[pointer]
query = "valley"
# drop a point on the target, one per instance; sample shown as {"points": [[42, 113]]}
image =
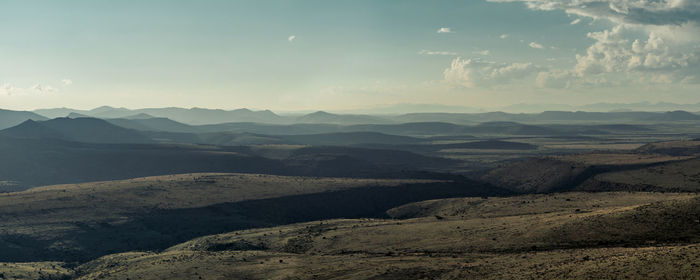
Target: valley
{"points": [[90, 198]]}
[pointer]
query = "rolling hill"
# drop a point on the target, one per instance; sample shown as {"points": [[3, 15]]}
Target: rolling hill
{"points": [[10, 118], [569, 172], [325, 117], [87, 130], [80, 222], [465, 238], [351, 138], [193, 116]]}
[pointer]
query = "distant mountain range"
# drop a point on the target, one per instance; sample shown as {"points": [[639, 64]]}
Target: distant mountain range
{"points": [[11, 118], [179, 120], [603, 107], [87, 130], [191, 116], [111, 143], [199, 116]]}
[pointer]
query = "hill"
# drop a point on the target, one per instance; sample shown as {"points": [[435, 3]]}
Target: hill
{"points": [[33, 130], [362, 162], [74, 115], [189, 116], [568, 172], [87, 130], [676, 116], [672, 176], [674, 148], [197, 116], [12, 118], [83, 221], [496, 238], [154, 124], [33, 162], [351, 138], [325, 117], [39, 154]]}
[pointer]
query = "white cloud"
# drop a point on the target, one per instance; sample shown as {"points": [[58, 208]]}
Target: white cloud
{"points": [[554, 79], [67, 82], [292, 38], [644, 12], [535, 45], [427, 52], [7, 89], [473, 73], [42, 88], [445, 30], [503, 36], [484, 52], [652, 41]]}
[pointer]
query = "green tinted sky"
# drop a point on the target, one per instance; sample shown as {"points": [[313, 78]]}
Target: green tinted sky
{"points": [[345, 54]]}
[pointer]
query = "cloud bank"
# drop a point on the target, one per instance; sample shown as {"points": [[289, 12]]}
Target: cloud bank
{"points": [[472, 73], [651, 41]]}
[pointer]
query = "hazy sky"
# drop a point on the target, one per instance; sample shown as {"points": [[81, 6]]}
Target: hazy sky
{"points": [[299, 55]]}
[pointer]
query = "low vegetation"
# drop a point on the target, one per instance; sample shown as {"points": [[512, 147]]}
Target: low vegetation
{"points": [[446, 239]]}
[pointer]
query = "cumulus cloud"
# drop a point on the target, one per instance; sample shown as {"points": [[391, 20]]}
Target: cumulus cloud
{"points": [[292, 38], [9, 89], [554, 79], [484, 52], [427, 52], [67, 82], [445, 30], [645, 12], [42, 88], [652, 41], [6, 89], [535, 45], [614, 52], [473, 73], [503, 36]]}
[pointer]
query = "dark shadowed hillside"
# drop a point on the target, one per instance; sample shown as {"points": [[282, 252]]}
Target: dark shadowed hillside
{"points": [[11, 118], [325, 117], [84, 221], [154, 124], [33, 162], [336, 161], [351, 138], [88, 130]]}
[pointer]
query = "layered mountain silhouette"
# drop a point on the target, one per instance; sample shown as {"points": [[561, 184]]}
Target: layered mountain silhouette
{"points": [[87, 130], [10, 118]]}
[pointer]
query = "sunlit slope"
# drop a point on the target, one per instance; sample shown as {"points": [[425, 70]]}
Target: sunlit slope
{"points": [[495, 238], [84, 221]]}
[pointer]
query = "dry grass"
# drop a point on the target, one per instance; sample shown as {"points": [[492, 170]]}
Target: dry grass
{"points": [[185, 190], [66, 222], [598, 147], [678, 176], [34, 270], [673, 262], [498, 238], [618, 158]]}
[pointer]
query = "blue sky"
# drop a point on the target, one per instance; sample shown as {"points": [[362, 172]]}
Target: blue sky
{"points": [[337, 55]]}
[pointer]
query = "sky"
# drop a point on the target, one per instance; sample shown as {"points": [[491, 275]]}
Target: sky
{"points": [[288, 55]]}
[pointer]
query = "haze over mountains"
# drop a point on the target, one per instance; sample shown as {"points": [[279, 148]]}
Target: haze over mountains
{"points": [[320, 191], [147, 142], [200, 116]]}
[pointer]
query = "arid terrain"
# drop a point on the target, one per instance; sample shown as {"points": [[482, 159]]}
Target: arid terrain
{"points": [[569, 235], [497, 200], [349, 139]]}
